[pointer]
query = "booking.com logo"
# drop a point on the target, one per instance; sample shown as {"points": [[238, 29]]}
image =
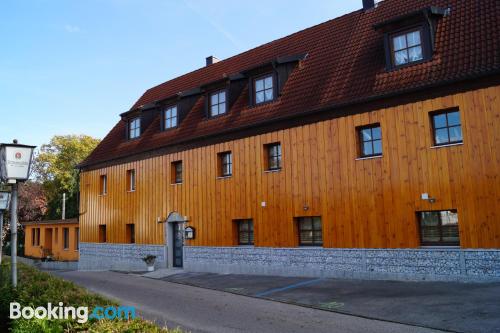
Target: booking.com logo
{"points": [[80, 314]]}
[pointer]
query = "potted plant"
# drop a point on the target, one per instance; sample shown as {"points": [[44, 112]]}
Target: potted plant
{"points": [[150, 261]]}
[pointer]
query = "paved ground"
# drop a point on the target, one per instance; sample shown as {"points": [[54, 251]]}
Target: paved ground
{"points": [[205, 310], [462, 307]]}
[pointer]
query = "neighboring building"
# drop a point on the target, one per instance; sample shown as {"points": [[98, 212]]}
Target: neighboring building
{"points": [[58, 239], [366, 146]]}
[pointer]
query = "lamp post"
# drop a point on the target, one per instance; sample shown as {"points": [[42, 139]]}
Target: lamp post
{"points": [[4, 205], [15, 164]]}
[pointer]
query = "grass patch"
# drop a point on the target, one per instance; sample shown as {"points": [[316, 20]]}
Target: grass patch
{"points": [[36, 288]]}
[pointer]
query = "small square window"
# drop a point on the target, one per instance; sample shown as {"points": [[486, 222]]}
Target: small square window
{"points": [[370, 140], [273, 156], [245, 232], [264, 89], [439, 228], [176, 172], [310, 231], [446, 127], [170, 117], [103, 185], [407, 47], [225, 160], [134, 128], [131, 180], [217, 103]]}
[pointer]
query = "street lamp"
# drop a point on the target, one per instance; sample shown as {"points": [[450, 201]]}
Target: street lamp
{"points": [[15, 164], [4, 205]]}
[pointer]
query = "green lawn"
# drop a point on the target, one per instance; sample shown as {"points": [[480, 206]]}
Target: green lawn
{"points": [[36, 288]]}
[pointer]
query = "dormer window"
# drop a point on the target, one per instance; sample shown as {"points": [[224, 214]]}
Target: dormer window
{"points": [[407, 47], [134, 128], [264, 89], [170, 117], [217, 103]]}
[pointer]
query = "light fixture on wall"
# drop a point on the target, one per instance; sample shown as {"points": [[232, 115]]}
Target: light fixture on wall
{"points": [[306, 207], [425, 196]]}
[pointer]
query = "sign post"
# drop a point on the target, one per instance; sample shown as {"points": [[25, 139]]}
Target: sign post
{"points": [[15, 164], [4, 205]]}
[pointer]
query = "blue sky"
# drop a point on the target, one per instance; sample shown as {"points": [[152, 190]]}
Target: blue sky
{"points": [[71, 67]]}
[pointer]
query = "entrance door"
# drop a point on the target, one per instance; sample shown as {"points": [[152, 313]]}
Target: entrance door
{"points": [[178, 243]]}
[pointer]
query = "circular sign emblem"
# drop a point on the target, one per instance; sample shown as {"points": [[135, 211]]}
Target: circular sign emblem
{"points": [[18, 155]]}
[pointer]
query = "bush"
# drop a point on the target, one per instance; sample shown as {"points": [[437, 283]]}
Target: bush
{"points": [[37, 288]]}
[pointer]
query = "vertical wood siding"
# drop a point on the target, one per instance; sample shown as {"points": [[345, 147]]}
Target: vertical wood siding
{"points": [[368, 203]]}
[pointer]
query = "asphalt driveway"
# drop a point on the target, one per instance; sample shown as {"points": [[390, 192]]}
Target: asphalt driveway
{"points": [[461, 307], [205, 310]]}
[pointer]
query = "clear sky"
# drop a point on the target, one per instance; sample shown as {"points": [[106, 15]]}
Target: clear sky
{"points": [[72, 66]]}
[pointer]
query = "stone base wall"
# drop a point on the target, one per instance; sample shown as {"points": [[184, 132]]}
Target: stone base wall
{"points": [[124, 257], [437, 264]]}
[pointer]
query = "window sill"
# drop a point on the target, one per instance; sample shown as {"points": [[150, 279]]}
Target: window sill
{"points": [[369, 157], [131, 191], [447, 145], [224, 177], [272, 170], [102, 194], [173, 184]]}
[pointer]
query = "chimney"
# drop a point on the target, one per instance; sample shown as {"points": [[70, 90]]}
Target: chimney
{"points": [[368, 4], [212, 60]]}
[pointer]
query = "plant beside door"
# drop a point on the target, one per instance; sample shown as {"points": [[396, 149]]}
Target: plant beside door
{"points": [[150, 262]]}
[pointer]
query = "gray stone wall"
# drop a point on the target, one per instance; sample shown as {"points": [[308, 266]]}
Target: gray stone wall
{"points": [[128, 257], [438, 264]]}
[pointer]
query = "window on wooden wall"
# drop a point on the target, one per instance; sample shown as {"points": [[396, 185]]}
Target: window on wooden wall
{"points": [[370, 140], [170, 117], [407, 47], [225, 164], [264, 89], [218, 103], [439, 228], [131, 180], [176, 172], [310, 231], [102, 234], [447, 127], [134, 128], [56, 235], [103, 185], [245, 232], [66, 238], [35, 236], [273, 156], [130, 233], [77, 239]]}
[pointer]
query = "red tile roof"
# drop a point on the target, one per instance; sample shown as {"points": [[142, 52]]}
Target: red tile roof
{"points": [[345, 64]]}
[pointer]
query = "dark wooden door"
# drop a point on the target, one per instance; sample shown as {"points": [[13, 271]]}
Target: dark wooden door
{"points": [[178, 244]]}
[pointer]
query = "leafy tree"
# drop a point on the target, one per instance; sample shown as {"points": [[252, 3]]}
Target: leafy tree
{"points": [[55, 168]]}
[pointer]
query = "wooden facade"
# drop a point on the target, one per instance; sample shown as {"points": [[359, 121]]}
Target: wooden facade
{"points": [[363, 203], [46, 238]]}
